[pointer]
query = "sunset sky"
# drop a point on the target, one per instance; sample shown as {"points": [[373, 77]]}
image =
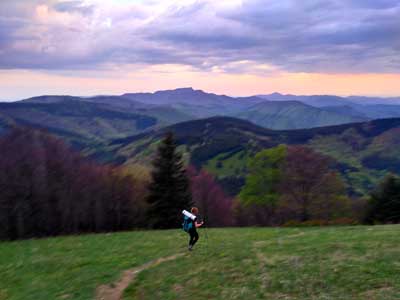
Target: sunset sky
{"points": [[234, 47]]}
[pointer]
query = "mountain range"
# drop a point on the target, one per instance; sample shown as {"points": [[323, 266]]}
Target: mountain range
{"points": [[332, 100], [363, 152], [101, 118], [219, 132]]}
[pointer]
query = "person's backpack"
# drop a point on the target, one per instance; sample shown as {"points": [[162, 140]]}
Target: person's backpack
{"points": [[187, 224]]}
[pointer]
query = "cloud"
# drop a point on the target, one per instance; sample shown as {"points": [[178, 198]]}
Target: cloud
{"points": [[373, 4], [233, 36], [74, 6]]}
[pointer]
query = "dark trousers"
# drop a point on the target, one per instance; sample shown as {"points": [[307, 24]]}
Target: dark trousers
{"points": [[194, 237]]}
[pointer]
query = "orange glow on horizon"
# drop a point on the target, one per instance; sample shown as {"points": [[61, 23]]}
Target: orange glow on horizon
{"points": [[19, 84]]}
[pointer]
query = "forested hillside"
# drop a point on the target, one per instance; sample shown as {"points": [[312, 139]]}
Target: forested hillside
{"points": [[100, 118], [364, 152]]}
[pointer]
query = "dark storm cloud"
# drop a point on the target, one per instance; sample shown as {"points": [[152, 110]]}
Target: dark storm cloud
{"points": [[301, 36]]}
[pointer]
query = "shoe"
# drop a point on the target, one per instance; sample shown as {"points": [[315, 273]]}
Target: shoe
{"points": [[190, 247]]}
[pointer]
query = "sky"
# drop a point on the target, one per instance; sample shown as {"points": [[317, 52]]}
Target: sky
{"points": [[233, 47]]}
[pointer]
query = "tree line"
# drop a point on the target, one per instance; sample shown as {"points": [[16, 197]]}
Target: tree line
{"points": [[49, 189], [295, 186]]}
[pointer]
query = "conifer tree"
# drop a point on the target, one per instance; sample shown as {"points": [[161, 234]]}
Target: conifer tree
{"points": [[384, 204], [169, 191]]}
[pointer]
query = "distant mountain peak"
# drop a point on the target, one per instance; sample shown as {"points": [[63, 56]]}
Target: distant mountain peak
{"points": [[184, 89]]}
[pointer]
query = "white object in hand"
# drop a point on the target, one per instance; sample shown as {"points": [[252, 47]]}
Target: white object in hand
{"points": [[189, 215]]}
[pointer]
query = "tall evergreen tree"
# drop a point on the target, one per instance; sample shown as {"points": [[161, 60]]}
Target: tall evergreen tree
{"points": [[169, 191], [384, 204]]}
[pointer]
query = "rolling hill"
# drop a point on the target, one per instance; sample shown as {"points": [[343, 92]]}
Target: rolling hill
{"points": [[84, 121], [193, 102], [296, 115], [89, 121], [127, 128], [313, 100], [373, 111], [379, 111], [222, 145], [332, 100], [107, 117], [268, 114], [166, 115]]}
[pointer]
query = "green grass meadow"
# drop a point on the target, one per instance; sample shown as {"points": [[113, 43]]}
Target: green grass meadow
{"points": [[359, 262]]}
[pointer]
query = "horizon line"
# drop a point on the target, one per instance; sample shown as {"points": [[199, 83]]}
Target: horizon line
{"points": [[204, 91]]}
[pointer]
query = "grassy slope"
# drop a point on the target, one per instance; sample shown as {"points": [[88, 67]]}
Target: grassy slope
{"points": [[329, 263], [225, 165], [247, 263], [72, 267]]}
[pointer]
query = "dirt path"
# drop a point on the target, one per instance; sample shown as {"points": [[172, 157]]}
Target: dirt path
{"points": [[115, 290], [263, 261]]}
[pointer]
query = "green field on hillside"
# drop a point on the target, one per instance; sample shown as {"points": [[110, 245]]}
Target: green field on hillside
{"points": [[359, 262]]}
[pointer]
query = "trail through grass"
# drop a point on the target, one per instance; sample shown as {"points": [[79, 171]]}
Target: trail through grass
{"points": [[72, 267], [115, 290], [311, 263], [239, 263]]}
